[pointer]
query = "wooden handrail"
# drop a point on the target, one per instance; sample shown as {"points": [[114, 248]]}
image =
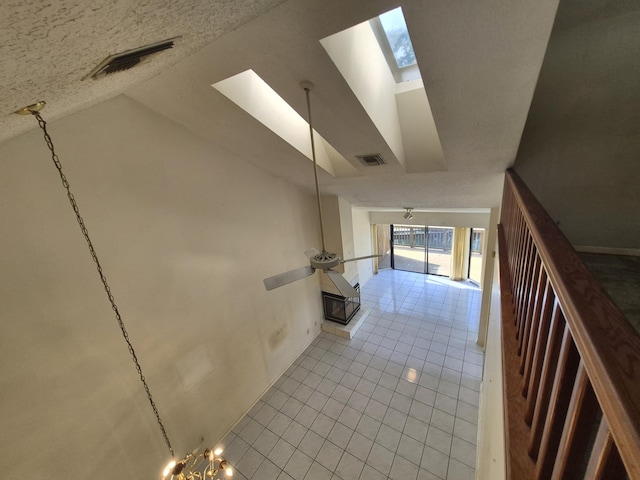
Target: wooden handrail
{"points": [[608, 346]]}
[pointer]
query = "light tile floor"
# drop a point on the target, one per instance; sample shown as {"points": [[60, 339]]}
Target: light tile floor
{"points": [[399, 401]]}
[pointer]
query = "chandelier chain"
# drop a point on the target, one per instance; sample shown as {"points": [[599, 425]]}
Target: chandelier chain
{"points": [[103, 278]]}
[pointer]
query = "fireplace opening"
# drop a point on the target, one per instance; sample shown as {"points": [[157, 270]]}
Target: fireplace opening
{"points": [[340, 309]]}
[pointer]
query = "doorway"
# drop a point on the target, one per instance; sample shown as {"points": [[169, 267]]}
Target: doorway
{"points": [[421, 249]]}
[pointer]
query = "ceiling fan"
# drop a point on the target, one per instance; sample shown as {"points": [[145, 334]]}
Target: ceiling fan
{"points": [[318, 260]]}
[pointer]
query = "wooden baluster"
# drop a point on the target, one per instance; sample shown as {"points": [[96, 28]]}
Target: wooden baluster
{"points": [[508, 214], [604, 461], [522, 281], [513, 255], [517, 264], [558, 405], [579, 424], [511, 239], [528, 282], [538, 342], [533, 320], [518, 238], [511, 231], [518, 221], [533, 289], [537, 405], [519, 465]]}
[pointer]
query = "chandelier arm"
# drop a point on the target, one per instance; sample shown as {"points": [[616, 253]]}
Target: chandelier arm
{"points": [[85, 233]]}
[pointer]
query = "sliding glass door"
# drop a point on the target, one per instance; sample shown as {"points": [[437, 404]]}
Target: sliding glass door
{"points": [[421, 249], [409, 252], [439, 242]]}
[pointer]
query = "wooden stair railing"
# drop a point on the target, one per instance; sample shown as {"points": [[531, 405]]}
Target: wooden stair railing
{"points": [[571, 360]]}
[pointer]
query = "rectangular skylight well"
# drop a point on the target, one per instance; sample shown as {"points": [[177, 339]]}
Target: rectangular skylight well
{"points": [[394, 98], [258, 99]]}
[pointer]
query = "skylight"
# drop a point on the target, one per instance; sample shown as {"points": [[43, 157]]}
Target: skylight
{"points": [[395, 30], [393, 38]]}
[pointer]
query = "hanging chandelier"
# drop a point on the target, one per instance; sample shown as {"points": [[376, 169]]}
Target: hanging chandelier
{"points": [[191, 466], [185, 469]]}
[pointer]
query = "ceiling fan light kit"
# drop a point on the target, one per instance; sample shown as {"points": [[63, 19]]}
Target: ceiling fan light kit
{"points": [[318, 260]]}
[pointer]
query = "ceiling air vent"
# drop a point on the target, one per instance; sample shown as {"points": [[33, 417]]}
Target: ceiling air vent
{"points": [[371, 160], [129, 59]]}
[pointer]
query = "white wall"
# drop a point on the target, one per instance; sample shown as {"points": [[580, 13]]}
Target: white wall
{"points": [[347, 233], [362, 243], [333, 231], [185, 232], [435, 219], [490, 458], [488, 263]]}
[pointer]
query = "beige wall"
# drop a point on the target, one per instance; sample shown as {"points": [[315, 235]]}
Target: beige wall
{"points": [[363, 243], [185, 232], [579, 150], [443, 218], [490, 458]]}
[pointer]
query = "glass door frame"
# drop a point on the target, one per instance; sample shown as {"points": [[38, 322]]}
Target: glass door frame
{"points": [[482, 252], [425, 232]]}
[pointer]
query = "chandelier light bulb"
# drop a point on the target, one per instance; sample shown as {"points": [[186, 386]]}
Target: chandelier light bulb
{"points": [[169, 468]]}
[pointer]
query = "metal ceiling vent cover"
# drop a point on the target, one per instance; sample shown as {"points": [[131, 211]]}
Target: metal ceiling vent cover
{"points": [[121, 62], [371, 160]]}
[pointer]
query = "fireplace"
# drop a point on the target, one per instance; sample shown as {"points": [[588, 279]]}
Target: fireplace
{"points": [[340, 309]]}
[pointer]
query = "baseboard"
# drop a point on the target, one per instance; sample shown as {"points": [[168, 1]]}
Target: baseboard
{"points": [[634, 252]]}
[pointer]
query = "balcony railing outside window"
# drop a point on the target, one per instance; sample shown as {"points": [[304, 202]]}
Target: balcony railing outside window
{"points": [[437, 238]]}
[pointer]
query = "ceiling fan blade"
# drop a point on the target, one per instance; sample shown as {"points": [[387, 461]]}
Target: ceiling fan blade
{"points": [[344, 287], [288, 277], [312, 252], [359, 258]]}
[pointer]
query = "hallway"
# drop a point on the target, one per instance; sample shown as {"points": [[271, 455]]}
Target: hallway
{"points": [[398, 401]]}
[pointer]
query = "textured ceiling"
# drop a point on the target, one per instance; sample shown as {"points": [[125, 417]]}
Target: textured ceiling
{"points": [[479, 62], [48, 47]]}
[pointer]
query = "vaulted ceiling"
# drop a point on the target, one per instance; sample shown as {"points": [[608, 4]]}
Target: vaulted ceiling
{"points": [[479, 63]]}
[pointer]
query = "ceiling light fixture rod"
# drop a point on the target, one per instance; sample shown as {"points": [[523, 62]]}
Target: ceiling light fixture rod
{"points": [[307, 86]]}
